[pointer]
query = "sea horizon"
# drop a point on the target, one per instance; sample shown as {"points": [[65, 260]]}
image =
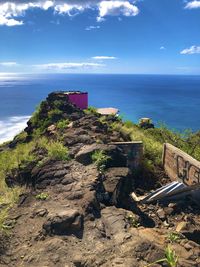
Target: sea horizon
{"points": [[170, 99]]}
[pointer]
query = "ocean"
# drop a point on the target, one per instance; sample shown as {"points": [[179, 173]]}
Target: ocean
{"points": [[170, 99]]}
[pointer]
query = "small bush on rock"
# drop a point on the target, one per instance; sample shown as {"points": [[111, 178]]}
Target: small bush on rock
{"points": [[62, 124], [174, 237], [100, 158], [90, 110], [57, 151], [133, 221], [42, 196]]}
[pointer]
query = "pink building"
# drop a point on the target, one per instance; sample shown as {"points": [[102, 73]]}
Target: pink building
{"points": [[79, 99]]}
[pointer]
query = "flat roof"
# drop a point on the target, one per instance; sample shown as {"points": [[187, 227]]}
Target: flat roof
{"points": [[70, 92], [107, 111]]}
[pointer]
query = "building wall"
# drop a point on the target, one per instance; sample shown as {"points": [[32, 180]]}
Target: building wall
{"points": [[80, 100]]}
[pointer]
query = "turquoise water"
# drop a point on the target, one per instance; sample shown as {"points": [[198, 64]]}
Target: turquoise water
{"points": [[173, 100]]}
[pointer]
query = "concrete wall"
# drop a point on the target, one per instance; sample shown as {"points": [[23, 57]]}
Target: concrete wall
{"points": [[133, 151]]}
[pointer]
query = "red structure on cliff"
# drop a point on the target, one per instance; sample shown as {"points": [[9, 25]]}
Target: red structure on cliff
{"points": [[79, 99]]}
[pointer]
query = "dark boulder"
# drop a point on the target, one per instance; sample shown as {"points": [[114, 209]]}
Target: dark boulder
{"points": [[117, 158], [64, 222]]}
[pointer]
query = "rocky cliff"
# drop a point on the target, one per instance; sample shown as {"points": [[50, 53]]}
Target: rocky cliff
{"points": [[75, 209]]}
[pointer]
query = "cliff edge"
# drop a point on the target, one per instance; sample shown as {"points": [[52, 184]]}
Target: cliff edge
{"points": [[75, 209]]}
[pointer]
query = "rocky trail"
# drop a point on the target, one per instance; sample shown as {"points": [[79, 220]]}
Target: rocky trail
{"points": [[74, 215]]}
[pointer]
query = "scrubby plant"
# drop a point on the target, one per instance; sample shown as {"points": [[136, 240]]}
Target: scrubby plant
{"points": [[18, 158], [90, 110], [44, 116], [54, 114], [174, 237], [62, 124], [153, 140], [133, 221], [57, 151], [170, 258], [128, 124], [58, 104], [100, 158], [8, 225], [103, 119], [42, 196], [9, 160], [21, 137]]}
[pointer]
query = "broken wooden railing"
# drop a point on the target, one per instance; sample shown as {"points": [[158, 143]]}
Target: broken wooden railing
{"points": [[184, 172]]}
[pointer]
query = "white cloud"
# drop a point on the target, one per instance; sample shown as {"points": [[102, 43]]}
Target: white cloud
{"points": [[100, 19], [68, 65], [117, 8], [193, 4], [9, 21], [70, 10], [192, 50], [103, 57], [8, 64], [89, 28], [162, 48], [12, 10], [47, 5]]}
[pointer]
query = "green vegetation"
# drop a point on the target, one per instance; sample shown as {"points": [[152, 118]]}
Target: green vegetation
{"points": [[58, 104], [19, 158], [128, 124], [103, 119], [132, 220], [153, 140], [90, 110], [57, 151], [42, 196], [100, 159], [62, 124], [12, 159], [8, 225], [43, 117], [174, 237], [170, 258], [20, 138]]}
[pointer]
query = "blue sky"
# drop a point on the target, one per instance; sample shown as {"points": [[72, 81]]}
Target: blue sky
{"points": [[84, 36]]}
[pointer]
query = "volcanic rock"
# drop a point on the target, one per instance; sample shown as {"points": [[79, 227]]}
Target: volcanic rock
{"points": [[63, 222]]}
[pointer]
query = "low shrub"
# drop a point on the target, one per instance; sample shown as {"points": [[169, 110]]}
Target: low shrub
{"points": [[170, 258], [174, 237], [20, 157], [42, 196], [90, 110], [128, 124], [20, 138], [100, 158], [57, 151], [62, 124], [153, 140]]}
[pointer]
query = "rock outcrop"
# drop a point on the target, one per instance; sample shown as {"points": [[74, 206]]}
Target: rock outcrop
{"points": [[74, 215]]}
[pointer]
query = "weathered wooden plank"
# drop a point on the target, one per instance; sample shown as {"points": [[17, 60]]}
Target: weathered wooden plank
{"points": [[180, 166]]}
